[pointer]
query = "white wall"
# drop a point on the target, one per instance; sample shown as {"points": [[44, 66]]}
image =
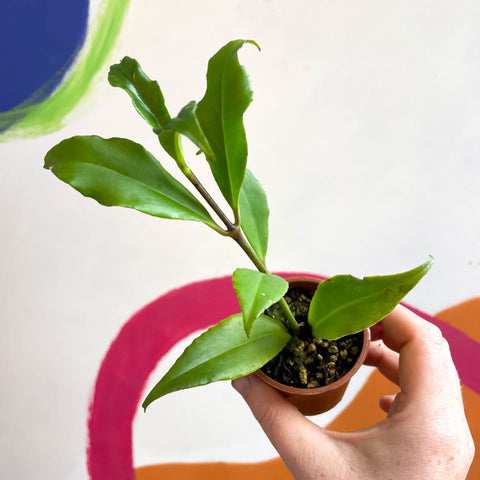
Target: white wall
{"points": [[365, 134]]}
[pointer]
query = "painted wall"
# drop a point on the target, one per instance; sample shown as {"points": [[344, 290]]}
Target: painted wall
{"points": [[364, 131]]}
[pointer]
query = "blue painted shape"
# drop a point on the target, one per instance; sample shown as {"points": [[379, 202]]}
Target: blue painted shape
{"points": [[39, 40]]}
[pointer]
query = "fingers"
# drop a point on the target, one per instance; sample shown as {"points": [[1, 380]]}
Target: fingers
{"points": [[430, 399], [376, 332], [385, 402], [426, 368], [386, 360], [402, 326]]}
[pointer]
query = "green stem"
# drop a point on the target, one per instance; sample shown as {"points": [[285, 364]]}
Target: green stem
{"points": [[234, 231], [211, 202], [292, 323], [238, 236]]}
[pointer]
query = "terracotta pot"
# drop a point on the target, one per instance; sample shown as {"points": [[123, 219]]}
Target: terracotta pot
{"points": [[312, 401]]}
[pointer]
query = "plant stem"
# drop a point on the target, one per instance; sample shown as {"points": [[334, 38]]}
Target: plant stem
{"points": [[238, 236], [292, 323], [211, 202], [234, 231]]}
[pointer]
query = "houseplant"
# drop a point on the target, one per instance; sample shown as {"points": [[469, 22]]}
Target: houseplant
{"points": [[120, 172]]}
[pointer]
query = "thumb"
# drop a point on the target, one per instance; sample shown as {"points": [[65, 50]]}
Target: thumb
{"points": [[272, 410], [293, 435]]}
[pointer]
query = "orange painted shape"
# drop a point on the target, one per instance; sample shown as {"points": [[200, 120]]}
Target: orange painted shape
{"points": [[269, 470], [366, 402], [465, 317]]}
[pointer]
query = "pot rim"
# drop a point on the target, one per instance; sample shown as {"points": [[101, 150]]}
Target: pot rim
{"points": [[325, 388]]}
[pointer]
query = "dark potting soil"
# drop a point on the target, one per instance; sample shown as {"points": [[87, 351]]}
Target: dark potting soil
{"points": [[310, 362]]}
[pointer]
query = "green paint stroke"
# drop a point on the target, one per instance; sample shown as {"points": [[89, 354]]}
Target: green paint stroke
{"points": [[34, 120]]}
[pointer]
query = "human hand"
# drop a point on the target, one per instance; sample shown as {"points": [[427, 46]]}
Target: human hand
{"points": [[425, 435]]}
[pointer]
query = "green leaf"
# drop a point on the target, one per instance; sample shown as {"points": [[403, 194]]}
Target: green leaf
{"points": [[220, 113], [223, 352], [187, 124], [256, 291], [120, 172], [254, 214], [145, 93], [343, 304], [148, 100]]}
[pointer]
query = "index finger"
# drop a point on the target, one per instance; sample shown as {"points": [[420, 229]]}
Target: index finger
{"points": [[427, 373]]}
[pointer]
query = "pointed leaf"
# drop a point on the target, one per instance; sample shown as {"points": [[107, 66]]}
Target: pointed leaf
{"points": [[148, 100], [343, 305], [256, 291], [254, 214], [120, 172], [220, 114], [187, 124], [223, 352]]}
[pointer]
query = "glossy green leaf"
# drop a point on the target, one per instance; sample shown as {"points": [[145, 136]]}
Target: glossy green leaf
{"points": [[145, 93], [256, 291], [344, 304], [223, 352], [148, 100], [187, 124], [254, 214], [120, 172], [220, 113]]}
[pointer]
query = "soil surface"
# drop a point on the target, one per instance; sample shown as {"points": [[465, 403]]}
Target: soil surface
{"points": [[310, 362]]}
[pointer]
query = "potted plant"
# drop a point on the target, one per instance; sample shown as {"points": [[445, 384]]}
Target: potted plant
{"points": [[279, 329]]}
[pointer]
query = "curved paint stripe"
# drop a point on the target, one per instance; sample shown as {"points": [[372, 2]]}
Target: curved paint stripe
{"points": [[139, 346], [465, 316], [146, 338], [469, 313], [133, 355], [47, 116]]}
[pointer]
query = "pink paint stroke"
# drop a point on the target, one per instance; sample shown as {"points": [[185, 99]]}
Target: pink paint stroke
{"points": [[151, 333]]}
